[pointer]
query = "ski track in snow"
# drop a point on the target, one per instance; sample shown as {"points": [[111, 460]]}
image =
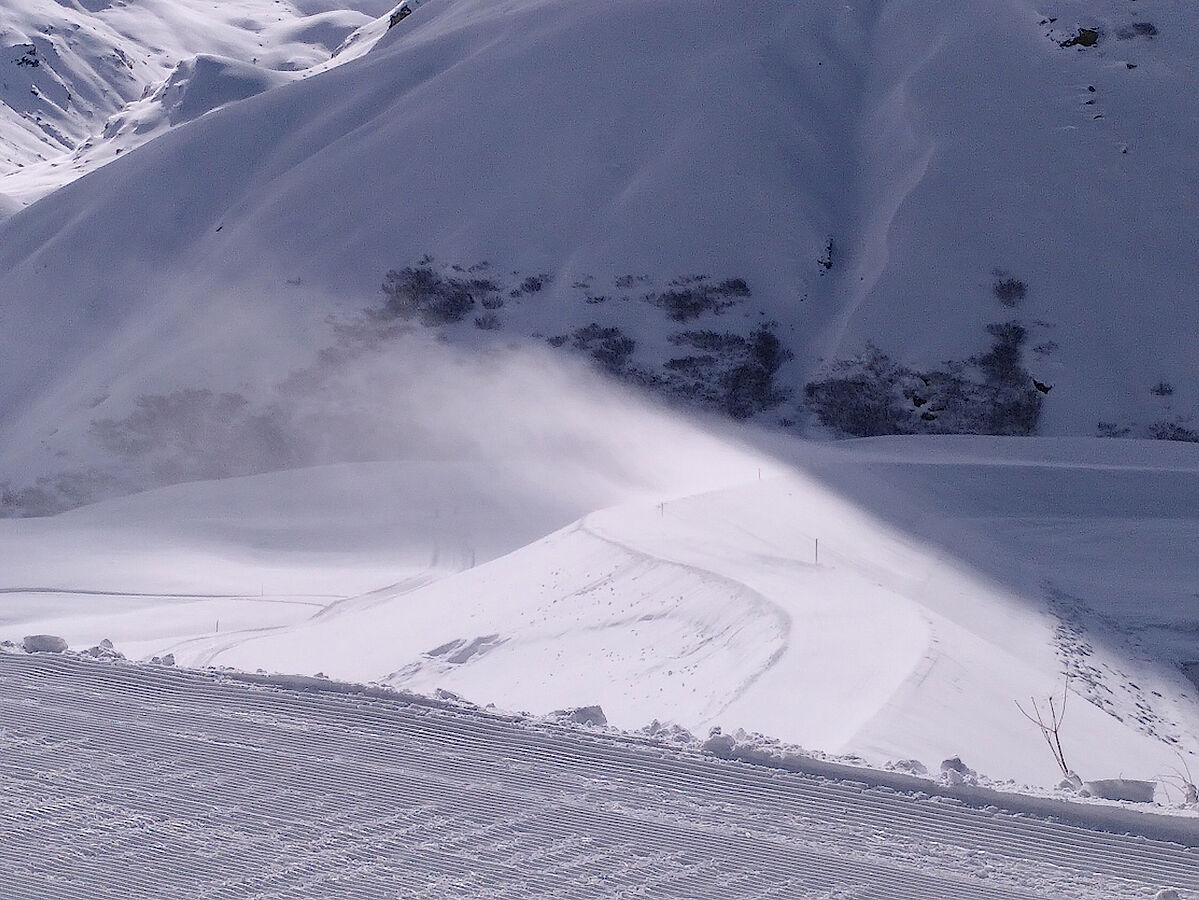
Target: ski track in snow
{"points": [[758, 605], [128, 781]]}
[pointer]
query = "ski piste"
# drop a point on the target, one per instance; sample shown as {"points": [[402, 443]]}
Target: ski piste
{"points": [[124, 780]]}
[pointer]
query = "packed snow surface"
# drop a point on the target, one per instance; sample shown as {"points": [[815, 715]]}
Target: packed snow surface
{"points": [[302, 790]]}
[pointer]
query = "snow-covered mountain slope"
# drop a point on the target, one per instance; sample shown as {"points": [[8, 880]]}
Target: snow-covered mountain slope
{"points": [[303, 789], [80, 82], [940, 182]]}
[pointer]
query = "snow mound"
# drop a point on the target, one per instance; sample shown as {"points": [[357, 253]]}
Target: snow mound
{"points": [[1125, 789], [43, 643], [204, 83]]}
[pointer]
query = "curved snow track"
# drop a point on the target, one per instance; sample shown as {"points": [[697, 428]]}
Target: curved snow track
{"points": [[126, 781]]}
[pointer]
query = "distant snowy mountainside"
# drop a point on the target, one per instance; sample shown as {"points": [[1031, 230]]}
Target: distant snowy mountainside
{"points": [[69, 72]]}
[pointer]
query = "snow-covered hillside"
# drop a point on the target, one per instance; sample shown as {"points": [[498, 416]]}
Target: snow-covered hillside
{"points": [[944, 184]]}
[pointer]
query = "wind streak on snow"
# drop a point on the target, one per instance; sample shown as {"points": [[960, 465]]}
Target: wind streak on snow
{"points": [[891, 157]]}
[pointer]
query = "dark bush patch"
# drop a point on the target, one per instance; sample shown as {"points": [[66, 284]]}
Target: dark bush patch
{"points": [[1173, 431], [691, 296], [1136, 30], [730, 373], [873, 395], [1010, 291], [700, 366], [628, 282], [609, 347], [1112, 430], [750, 386], [723, 343], [423, 293], [860, 398], [1162, 389], [1002, 364], [489, 321], [198, 434], [56, 493], [533, 284]]}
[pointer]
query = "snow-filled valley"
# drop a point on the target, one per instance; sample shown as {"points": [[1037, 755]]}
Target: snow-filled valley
{"points": [[821, 380]]}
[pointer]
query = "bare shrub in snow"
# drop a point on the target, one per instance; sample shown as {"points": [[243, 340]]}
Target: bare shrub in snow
{"points": [[608, 346], [489, 321], [732, 373], [1173, 431], [750, 386], [195, 434], [1112, 430], [1049, 723], [860, 398]]}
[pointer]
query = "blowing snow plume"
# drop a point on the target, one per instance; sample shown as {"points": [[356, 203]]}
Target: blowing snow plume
{"points": [[250, 398]]}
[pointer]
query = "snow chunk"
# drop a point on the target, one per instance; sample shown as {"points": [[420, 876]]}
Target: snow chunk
{"points": [[954, 771], [583, 715], [206, 82], [43, 643], [1120, 789]]}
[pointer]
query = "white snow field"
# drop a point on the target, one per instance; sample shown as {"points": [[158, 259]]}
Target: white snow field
{"points": [[131, 782]]}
